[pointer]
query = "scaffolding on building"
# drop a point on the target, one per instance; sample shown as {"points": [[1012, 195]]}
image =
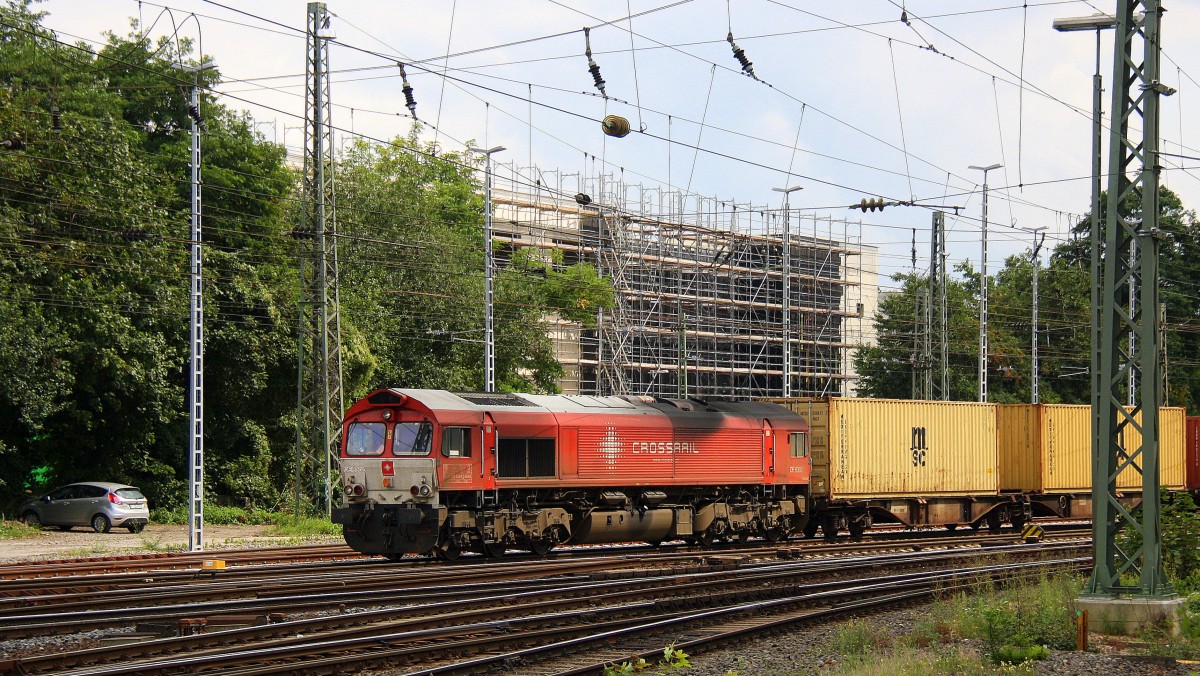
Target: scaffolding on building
{"points": [[699, 287]]}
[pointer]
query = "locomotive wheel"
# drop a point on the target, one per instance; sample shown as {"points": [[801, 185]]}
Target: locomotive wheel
{"points": [[448, 550], [774, 534], [493, 550]]}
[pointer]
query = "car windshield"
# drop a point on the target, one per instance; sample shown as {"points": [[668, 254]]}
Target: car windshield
{"points": [[129, 494], [412, 438]]}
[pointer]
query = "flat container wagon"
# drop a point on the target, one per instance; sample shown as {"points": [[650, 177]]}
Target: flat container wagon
{"points": [[918, 463]]}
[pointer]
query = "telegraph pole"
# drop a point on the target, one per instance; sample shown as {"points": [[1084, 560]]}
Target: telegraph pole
{"points": [[983, 289], [319, 404], [1038, 238], [937, 302], [787, 288]]}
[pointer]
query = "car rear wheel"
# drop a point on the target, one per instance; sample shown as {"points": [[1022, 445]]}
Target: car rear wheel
{"points": [[101, 524], [136, 527], [32, 520]]}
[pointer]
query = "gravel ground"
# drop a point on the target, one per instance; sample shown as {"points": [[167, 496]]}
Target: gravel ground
{"points": [[809, 651], [52, 543], [804, 651]]}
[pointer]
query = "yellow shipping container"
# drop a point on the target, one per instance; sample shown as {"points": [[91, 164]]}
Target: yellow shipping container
{"points": [[898, 448], [1047, 448]]}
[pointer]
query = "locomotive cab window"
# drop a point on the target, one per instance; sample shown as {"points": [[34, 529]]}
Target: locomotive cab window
{"points": [[412, 438], [799, 443], [456, 442], [365, 438]]}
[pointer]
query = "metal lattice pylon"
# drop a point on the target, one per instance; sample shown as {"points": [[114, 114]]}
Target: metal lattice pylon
{"points": [[1133, 176], [319, 404]]}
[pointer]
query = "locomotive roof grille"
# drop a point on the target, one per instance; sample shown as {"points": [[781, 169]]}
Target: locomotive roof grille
{"points": [[493, 399]]}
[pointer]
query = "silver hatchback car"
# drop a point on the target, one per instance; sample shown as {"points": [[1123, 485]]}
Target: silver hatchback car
{"points": [[100, 505]]}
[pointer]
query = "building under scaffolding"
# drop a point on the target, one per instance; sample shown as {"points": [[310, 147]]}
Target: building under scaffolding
{"points": [[700, 288]]}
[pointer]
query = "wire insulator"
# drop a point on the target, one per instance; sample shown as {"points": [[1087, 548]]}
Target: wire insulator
{"points": [[55, 119], [740, 55], [615, 126], [592, 67], [409, 101]]}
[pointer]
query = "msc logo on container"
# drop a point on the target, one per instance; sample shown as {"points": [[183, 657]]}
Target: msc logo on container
{"points": [[918, 447]]}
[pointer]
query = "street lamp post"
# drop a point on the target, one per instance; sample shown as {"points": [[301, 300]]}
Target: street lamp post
{"points": [[1096, 22], [787, 288], [489, 270], [983, 288], [1038, 238]]}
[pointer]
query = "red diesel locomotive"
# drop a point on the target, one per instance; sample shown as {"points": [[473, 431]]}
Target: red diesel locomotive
{"points": [[429, 471]]}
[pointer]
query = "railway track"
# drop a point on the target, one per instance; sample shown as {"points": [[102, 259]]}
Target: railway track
{"points": [[419, 624]]}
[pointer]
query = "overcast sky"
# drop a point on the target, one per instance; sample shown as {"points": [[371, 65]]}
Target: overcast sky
{"points": [[851, 102]]}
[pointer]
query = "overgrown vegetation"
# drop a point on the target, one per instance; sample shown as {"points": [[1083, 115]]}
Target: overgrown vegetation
{"points": [[17, 530], [672, 661], [282, 523]]}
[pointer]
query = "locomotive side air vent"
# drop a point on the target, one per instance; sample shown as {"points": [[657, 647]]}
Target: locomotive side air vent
{"points": [[493, 399], [385, 397]]}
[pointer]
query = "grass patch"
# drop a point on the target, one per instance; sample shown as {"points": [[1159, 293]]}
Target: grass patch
{"points": [[906, 661], [218, 516], [288, 526], [17, 530]]}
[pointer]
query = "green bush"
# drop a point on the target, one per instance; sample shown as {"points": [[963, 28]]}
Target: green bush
{"points": [[1189, 617], [1019, 655], [854, 639], [222, 516]]}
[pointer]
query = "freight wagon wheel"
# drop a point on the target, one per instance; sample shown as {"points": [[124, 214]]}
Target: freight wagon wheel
{"points": [[829, 529], [857, 528], [951, 526], [993, 522], [810, 528], [540, 546]]}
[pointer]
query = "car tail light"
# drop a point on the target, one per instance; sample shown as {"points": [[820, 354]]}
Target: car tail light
{"points": [[115, 499]]}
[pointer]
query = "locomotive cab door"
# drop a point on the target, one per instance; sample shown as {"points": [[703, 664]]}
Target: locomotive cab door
{"points": [[768, 434], [487, 472]]}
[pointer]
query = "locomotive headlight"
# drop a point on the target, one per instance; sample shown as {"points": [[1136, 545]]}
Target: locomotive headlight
{"points": [[422, 491], [387, 414]]}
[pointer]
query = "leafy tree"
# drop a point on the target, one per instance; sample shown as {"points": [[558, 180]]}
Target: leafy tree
{"points": [[93, 226], [887, 367]]}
